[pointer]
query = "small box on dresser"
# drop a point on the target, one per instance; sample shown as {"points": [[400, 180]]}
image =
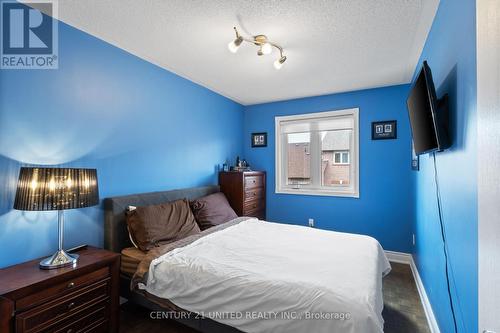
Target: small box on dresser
{"points": [[69, 299], [245, 191]]}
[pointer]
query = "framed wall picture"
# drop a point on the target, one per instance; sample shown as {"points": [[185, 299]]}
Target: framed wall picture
{"points": [[259, 140], [384, 130]]}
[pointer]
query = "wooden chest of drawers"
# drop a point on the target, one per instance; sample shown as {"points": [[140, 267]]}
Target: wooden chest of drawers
{"points": [[245, 191], [67, 300]]}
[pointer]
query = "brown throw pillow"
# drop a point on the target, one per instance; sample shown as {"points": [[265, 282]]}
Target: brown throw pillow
{"points": [[212, 210], [153, 225]]}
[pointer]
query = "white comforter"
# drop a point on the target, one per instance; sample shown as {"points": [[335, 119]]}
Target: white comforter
{"points": [[268, 277]]}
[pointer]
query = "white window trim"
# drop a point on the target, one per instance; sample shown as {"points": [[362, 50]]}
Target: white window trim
{"points": [[352, 192], [341, 152]]}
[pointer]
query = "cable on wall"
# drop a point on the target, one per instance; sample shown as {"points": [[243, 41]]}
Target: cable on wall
{"points": [[445, 248]]}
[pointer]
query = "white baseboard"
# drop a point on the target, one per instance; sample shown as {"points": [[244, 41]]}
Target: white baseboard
{"points": [[399, 257], [406, 258], [431, 319]]}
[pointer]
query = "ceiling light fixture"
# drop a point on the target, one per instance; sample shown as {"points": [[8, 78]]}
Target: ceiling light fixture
{"points": [[265, 46]]}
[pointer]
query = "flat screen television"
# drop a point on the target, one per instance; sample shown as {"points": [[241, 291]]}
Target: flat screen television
{"points": [[428, 115]]}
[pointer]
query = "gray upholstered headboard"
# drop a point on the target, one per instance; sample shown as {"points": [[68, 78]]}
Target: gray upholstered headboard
{"points": [[115, 227]]}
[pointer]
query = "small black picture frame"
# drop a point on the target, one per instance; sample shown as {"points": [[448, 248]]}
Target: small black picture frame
{"points": [[385, 130], [259, 140]]}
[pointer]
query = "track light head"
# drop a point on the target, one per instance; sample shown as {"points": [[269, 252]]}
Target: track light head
{"points": [[266, 48], [235, 44], [279, 62]]}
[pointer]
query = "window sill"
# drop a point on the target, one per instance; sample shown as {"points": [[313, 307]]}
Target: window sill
{"points": [[325, 193]]}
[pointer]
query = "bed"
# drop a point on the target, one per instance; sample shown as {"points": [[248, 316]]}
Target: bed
{"points": [[254, 276]]}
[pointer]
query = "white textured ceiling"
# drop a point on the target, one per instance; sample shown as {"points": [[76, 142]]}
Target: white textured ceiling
{"points": [[331, 45]]}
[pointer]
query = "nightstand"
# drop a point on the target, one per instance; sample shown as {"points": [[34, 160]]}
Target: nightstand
{"points": [[70, 299]]}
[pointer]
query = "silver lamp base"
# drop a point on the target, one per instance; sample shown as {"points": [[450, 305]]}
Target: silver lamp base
{"points": [[59, 259]]}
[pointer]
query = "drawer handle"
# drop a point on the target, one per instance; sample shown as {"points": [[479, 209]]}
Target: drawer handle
{"points": [[71, 285], [71, 305], [254, 181]]}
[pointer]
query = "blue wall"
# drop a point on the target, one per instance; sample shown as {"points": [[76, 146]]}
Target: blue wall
{"points": [[384, 209], [451, 52], [141, 126]]}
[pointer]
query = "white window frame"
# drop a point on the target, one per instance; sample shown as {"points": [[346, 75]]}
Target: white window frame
{"points": [[340, 152], [280, 159]]}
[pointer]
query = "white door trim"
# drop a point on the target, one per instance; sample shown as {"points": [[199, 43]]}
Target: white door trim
{"points": [[488, 157]]}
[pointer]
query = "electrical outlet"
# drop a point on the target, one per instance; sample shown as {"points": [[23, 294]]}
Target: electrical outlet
{"points": [[311, 223], [413, 239]]}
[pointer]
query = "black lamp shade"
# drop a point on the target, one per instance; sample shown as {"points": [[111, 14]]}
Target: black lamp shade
{"points": [[56, 189]]}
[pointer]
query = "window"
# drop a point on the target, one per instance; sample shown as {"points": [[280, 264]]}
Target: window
{"points": [[317, 153], [341, 157]]}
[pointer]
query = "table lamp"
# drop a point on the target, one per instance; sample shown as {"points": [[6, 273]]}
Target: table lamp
{"points": [[40, 189]]}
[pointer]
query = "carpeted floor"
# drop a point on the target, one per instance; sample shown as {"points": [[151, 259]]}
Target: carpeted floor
{"points": [[403, 311]]}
